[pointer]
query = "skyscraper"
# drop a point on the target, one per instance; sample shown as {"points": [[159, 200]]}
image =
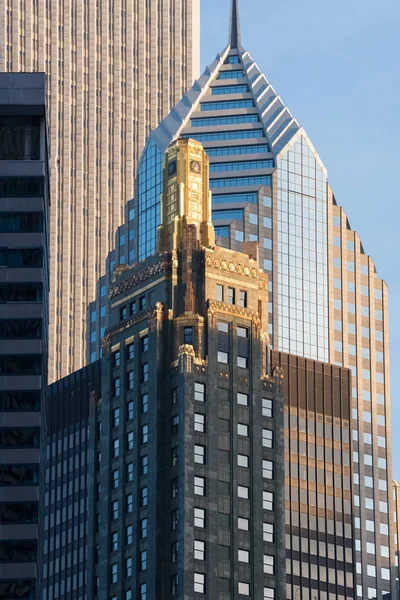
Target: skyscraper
{"points": [[115, 68], [24, 290], [326, 302]]}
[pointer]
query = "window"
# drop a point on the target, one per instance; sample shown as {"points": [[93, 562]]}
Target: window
{"points": [[243, 461], [268, 469], [200, 455], [114, 573], [231, 295], [129, 535], [268, 564], [174, 551], [268, 532], [269, 594], [144, 343], [116, 359], [123, 313], [116, 448], [130, 440], [130, 380], [220, 293], [243, 492], [243, 556], [175, 424], [116, 417], [199, 486], [267, 438], [129, 472], [199, 422], [130, 351], [145, 434], [174, 456], [174, 584], [114, 510], [199, 583], [243, 429], [242, 362], [175, 396], [243, 299], [188, 335], [199, 392], [143, 529], [142, 303], [199, 550], [174, 519], [133, 308], [174, 487], [145, 373], [143, 591], [199, 518], [243, 588], [128, 595], [243, 524], [117, 387], [243, 332], [143, 496], [143, 560], [144, 465], [144, 404], [129, 503], [223, 357], [128, 567], [267, 407], [114, 541], [268, 501], [223, 327], [115, 479], [242, 399]]}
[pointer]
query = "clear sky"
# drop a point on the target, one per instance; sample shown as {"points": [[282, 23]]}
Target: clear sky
{"points": [[336, 65]]}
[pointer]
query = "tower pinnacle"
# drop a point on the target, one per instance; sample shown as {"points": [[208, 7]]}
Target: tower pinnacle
{"points": [[234, 29]]}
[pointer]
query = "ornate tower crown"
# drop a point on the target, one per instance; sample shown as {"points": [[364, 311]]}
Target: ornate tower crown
{"points": [[186, 197]]}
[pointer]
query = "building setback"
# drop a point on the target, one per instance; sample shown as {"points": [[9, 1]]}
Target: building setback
{"points": [[326, 300], [24, 284], [186, 438], [115, 68]]}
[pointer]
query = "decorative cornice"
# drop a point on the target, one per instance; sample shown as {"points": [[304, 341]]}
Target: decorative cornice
{"points": [[150, 313], [121, 287], [232, 309]]}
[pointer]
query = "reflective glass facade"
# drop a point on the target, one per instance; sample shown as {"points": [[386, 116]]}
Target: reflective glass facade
{"points": [[149, 188]]}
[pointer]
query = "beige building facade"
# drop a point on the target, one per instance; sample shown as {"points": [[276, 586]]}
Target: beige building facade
{"points": [[115, 68]]}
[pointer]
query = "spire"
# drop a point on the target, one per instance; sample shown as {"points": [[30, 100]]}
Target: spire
{"points": [[234, 29]]}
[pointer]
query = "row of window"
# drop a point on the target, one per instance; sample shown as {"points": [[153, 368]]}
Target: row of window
{"points": [[21, 365], [130, 380], [231, 75], [21, 257], [229, 89], [21, 222], [21, 328], [21, 292], [231, 296], [241, 181], [243, 588], [226, 105], [241, 166], [141, 304], [235, 150], [228, 120], [225, 135]]}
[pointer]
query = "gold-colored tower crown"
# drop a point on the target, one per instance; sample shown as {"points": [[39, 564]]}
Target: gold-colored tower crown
{"points": [[186, 197]]}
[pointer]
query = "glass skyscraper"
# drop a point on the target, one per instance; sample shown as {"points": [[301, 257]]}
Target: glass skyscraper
{"points": [[326, 301]]}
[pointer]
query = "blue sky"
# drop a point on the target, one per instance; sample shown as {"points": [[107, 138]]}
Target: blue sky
{"points": [[336, 65]]}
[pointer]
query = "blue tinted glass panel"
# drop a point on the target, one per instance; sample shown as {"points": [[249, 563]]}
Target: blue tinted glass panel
{"points": [[228, 198], [149, 192], [230, 120], [231, 75], [236, 215], [229, 89], [227, 105], [240, 181], [241, 166], [232, 60], [222, 232], [235, 150], [225, 135]]}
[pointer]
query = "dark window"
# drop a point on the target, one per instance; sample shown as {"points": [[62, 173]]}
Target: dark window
{"points": [[231, 295], [175, 396], [130, 410], [23, 437], [242, 362], [174, 585], [143, 529], [174, 551], [143, 496], [144, 404], [175, 424], [243, 299], [133, 308], [117, 387], [129, 472], [21, 187], [21, 292], [24, 401], [21, 222], [18, 551], [243, 332], [116, 358], [123, 313], [19, 138], [145, 373], [18, 513], [21, 365], [130, 351], [21, 328], [130, 440], [21, 257], [188, 335], [144, 465], [174, 519], [175, 456], [18, 589], [19, 474], [142, 303], [130, 383], [175, 488], [145, 434], [220, 293], [144, 344]]}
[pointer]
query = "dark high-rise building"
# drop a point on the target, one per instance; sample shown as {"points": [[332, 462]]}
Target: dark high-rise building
{"points": [[176, 458], [24, 206]]}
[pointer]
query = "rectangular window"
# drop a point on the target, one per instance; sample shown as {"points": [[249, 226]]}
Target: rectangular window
{"points": [[223, 327], [116, 417], [129, 472], [123, 313], [130, 440], [128, 567], [116, 448], [116, 359], [199, 583], [242, 429], [174, 456], [223, 357], [174, 584], [114, 573], [130, 380], [145, 373], [175, 424], [243, 524], [144, 465], [267, 438], [174, 551], [243, 492], [174, 487], [199, 486], [243, 556], [130, 351], [267, 408], [242, 362], [144, 344], [268, 564], [220, 293], [144, 404], [115, 479], [243, 588], [143, 529], [243, 399], [200, 455], [133, 308], [199, 392], [231, 295], [199, 518], [117, 387], [268, 501], [114, 510], [129, 535], [243, 332], [142, 303], [175, 396], [143, 560], [188, 335], [268, 532], [268, 469], [243, 461], [145, 434], [243, 298], [114, 542], [174, 519], [199, 550], [269, 594], [143, 591], [199, 422], [143, 497]]}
